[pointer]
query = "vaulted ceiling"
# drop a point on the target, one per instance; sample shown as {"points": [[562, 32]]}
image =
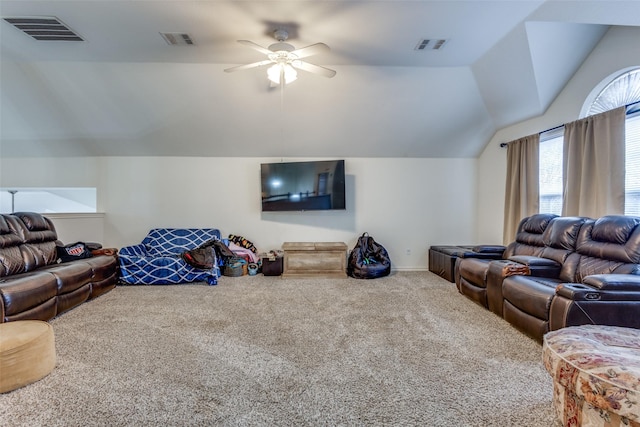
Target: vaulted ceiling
{"points": [[124, 91]]}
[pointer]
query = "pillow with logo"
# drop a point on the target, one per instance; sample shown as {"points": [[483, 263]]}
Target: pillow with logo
{"points": [[72, 252]]}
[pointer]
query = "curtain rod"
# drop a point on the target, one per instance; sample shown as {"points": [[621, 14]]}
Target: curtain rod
{"points": [[504, 144]]}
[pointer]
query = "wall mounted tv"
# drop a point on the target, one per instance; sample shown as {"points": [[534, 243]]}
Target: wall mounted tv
{"points": [[303, 186]]}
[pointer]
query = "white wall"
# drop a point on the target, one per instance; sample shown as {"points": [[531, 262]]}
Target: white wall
{"points": [[406, 204], [618, 50], [78, 227]]}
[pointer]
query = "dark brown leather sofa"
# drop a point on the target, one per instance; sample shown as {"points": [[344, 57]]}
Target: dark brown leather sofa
{"points": [[32, 284], [586, 272], [471, 273]]}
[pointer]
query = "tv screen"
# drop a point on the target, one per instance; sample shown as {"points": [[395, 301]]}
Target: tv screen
{"points": [[303, 186]]}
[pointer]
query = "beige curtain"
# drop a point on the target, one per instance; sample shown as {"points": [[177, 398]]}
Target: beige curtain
{"points": [[593, 167], [522, 194]]}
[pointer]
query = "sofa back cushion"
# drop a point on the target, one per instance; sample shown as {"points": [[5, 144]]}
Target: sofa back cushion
{"points": [[174, 241], [39, 239], [529, 236], [11, 261], [610, 244], [560, 238]]}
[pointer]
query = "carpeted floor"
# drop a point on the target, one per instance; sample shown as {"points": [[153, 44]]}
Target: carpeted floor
{"points": [[406, 350]]}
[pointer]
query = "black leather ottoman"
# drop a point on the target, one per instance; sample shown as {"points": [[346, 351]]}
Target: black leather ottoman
{"points": [[442, 259]]}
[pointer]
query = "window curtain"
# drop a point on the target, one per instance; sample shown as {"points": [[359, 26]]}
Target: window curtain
{"points": [[594, 165], [522, 193]]}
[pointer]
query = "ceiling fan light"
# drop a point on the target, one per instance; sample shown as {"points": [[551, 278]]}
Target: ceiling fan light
{"points": [[273, 73], [290, 74]]}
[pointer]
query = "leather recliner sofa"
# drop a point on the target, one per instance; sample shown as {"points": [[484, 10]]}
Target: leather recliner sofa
{"points": [[32, 283], [586, 272], [471, 273]]}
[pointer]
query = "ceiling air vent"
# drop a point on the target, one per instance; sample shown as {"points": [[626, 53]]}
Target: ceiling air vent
{"points": [[44, 28], [177, 39], [431, 44]]}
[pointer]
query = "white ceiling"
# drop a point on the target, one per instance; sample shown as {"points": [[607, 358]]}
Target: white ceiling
{"points": [[124, 91]]}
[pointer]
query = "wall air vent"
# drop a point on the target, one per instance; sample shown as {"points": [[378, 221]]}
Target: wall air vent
{"points": [[177, 39], [431, 44], [44, 28]]}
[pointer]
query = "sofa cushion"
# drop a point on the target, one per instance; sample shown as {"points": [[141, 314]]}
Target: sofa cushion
{"points": [[26, 291], [614, 238], [530, 236], [38, 235], [37, 227], [71, 276], [474, 271], [11, 260], [531, 295], [102, 267], [8, 235], [614, 229]]}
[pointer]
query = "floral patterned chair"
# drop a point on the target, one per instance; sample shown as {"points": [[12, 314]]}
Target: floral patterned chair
{"points": [[596, 375], [157, 260]]}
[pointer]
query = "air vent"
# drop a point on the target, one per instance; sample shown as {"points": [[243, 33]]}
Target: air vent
{"points": [[431, 44], [44, 28], [177, 39]]}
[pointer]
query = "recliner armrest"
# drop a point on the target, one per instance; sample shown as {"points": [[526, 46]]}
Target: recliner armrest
{"points": [[602, 287], [534, 261], [576, 291], [614, 282], [540, 267]]}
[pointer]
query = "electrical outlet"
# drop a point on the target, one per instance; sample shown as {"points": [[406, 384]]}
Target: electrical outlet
{"points": [[408, 252]]}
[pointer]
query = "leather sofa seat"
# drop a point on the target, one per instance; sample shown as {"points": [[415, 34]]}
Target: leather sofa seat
{"points": [[471, 278], [527, 301], [29, 296], [73, 284], [105, 274]]}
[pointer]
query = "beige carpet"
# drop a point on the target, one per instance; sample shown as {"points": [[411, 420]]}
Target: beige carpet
{"points": [[406, 350]]}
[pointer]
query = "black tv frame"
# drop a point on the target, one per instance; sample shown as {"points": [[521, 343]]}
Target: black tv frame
{"points": [[303, 186]]}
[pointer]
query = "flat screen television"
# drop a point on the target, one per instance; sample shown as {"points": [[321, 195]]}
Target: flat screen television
{"points": [[303, 186]]}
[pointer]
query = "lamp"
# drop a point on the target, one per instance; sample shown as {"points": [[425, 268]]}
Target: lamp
{"points": [[13, 202], [281, 69]]}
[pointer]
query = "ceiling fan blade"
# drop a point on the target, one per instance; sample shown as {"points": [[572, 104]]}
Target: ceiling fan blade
{"points": [[255, 46], [312, 68], [248, 66], [313, 49]]}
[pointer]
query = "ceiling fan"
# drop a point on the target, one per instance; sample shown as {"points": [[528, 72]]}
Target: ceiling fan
{"points": [[285, 59]]}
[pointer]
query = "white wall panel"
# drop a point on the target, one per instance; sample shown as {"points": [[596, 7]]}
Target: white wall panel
{"points": [[406, 204]]}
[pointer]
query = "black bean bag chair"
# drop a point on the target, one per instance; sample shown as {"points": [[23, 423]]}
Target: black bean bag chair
{"points": [[368, 259]]}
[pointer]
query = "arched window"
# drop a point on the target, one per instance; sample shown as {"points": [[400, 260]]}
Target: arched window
{"points": [[622, 88]]}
